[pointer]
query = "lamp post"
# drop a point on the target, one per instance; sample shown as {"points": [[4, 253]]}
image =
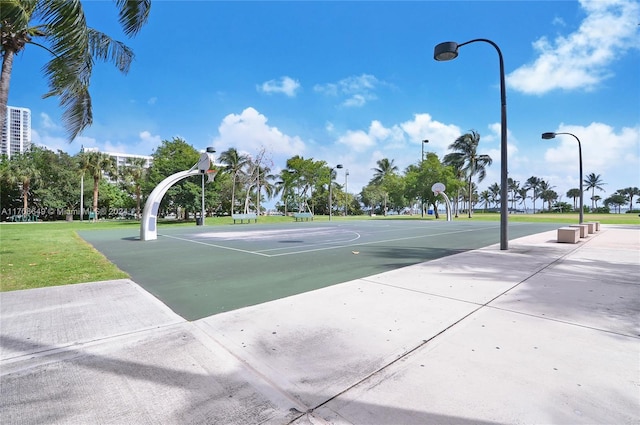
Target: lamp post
{"points": [[425, 141], [346, 194], [449, 50], [421, 161], [552, 135], [330, 182]]}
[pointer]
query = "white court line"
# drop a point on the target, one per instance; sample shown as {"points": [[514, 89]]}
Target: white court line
{"points": [[327, 247], [216, 246], [358, 236], [383, 241]]}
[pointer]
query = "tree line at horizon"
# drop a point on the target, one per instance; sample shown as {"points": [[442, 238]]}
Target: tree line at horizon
{"points": [[48, 183]]}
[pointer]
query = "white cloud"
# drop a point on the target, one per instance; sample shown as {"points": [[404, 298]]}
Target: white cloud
{"points": [[423, 127], [48, 123], [358, 90], [603, 150], [285, 85], [250, 132], [581, 59]]}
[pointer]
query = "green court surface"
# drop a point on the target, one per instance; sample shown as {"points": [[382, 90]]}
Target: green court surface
{"points": [[204, 270]]}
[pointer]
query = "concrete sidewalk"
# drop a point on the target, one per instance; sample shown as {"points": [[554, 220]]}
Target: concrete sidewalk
{"points": [[541, 333]]}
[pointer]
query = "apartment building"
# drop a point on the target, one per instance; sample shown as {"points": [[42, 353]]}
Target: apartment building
{"points": [[16, 132]]}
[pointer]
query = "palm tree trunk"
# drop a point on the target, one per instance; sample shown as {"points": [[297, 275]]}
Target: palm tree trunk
{"points": [[469, 194], [138, 198], [25, 198], [5, 78], [96, 183]]}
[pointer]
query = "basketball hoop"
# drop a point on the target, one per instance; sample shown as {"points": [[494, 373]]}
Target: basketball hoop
{"points": [[211, 175]]}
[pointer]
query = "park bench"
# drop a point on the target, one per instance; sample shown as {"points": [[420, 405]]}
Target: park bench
{"points": [[594, 226], [584, 229], [303, 216], [569, 234], [243, 217]]}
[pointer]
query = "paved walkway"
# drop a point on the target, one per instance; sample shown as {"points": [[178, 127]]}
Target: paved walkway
{"points": [[541, 333]]}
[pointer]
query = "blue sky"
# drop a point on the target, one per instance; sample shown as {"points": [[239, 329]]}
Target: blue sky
{"points": [[354, 82]]}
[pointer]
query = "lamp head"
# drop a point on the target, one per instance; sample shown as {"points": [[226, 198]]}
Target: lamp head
{"points": [[548, 136], [446, 51]]}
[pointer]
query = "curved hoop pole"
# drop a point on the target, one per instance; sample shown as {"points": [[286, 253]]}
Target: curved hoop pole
{"points": [[446, 202], [148, 225]]}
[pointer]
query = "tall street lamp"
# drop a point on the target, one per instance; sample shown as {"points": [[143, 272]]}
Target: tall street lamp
{"points": [[425, 141], [330, 184], [346, 193], [449, 50], [421, 160], [552, 135]]}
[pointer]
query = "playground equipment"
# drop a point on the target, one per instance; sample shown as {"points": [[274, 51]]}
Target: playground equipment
{"points": [[438, 188], [148, 225]]}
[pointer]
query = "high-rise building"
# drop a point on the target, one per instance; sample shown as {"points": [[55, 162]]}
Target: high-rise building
{"points": [[16, 132]]}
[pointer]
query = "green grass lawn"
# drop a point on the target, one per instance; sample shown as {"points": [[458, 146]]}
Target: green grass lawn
{"points": [[34, 255]]}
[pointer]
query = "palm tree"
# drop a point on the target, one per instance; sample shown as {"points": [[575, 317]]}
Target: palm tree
{"points": [[546, 192], [466, 157], [98, 163], [522, 195], [494, 190], [60, 28], [533, 183], [385, 168], [630, 192], [21, 170], [513, 186], [135, 172], [234, 162], [573, 193], [485, 197], [593, 182]]}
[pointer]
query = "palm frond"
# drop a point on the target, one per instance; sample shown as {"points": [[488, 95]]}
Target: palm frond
{"points": [[133, 15], [103, 47]]}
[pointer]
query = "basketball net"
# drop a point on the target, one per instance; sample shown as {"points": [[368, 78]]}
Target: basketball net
{"points": [[211, 175]]}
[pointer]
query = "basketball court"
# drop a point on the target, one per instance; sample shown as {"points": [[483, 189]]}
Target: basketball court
{"points": [[204, 270]]}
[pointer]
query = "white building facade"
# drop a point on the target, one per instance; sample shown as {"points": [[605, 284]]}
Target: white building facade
{"points": [[16, 132]]}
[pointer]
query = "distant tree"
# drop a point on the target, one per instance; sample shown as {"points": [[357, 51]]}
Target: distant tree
{"points": [[545, 192], [58, 187], [573, 193], [133, 175], [617, 200], [419, 179], [173, 156], [522, 195], [385, 168], [594, 182], [533, 184], [465, 156], [98, 164], [61, 29], [234, 164], [384, 176], [513, 187], [494, 190], [630, 192], [548, 195], [22, 171], [485, 197]]}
